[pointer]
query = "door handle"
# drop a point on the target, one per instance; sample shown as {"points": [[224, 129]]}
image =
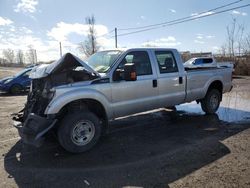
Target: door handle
{"points": [[180, 80], [154, 83]]}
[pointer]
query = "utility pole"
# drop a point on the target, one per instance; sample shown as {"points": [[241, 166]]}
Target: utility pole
{"points": [[35, 54], [115, 37], [60, 48]]}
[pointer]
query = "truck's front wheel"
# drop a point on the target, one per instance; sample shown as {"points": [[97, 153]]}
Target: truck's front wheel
{"points": [[211, 102], [79, 131]]}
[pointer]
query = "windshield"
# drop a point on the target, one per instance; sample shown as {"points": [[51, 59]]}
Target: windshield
{"points": [[102, 61], [22, 72]]}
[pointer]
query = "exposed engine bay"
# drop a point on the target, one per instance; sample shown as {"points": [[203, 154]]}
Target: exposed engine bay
{"points": [[69, 69]]}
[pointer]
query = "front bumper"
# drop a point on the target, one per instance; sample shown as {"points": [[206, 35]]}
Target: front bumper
{"points": [[32, 130]]}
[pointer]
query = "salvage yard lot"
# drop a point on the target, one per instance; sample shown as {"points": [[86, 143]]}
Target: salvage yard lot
{"points": [[155, 149]]}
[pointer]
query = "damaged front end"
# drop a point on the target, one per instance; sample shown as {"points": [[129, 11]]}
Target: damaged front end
{"points": [[31, 122]]}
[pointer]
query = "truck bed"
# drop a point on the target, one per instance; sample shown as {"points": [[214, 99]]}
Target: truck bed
{"points": [[199, 79]]}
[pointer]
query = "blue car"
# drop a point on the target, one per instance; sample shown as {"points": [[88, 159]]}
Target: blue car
{"points": [[16, 84]]}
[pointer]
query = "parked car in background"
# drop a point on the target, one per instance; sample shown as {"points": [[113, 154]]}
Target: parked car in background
{"points": [[18, 83], [200, 62]]}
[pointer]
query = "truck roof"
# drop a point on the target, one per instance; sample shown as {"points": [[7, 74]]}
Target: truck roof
{"points": [[139, 48]]}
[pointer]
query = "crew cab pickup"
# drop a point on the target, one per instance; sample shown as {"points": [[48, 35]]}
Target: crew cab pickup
{"points": [[77, 99]]}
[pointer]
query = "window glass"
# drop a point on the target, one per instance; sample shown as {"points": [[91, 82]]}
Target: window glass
{"points": [[141, 61], [27, 73], [198, 62], [102, 61], [166, 62], [208, 60]]}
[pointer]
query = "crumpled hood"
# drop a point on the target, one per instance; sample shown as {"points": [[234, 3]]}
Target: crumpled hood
{"points": [[66, 61]]}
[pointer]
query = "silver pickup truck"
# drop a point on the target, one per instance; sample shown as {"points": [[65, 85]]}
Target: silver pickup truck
{"points": [[77, 99]]}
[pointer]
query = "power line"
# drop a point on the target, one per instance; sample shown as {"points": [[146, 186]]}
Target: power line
{"points": [[182, 21], [183, 18]]}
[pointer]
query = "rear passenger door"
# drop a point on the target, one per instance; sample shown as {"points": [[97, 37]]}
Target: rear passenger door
{"points": [[130, 97], [170, 81]]}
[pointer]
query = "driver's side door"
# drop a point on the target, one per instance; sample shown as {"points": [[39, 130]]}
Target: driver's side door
{"points": [[129, 97]]}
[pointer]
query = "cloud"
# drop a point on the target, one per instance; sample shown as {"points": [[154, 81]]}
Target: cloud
{"points": [[5, 21], [26, 6], [143, 17], [199, 41], [235, 12], [106, 43], [62, 30], [47, 48], [172, 10], [16, 38], [210, 36], [197, 15], [170, 41], [200, 37], [215, 48]]}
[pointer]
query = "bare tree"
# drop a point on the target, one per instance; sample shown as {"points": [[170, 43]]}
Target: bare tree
{"points": [[9, 55], [31, 55], [235, 37], [90, 45], [223, 49], [246, 45], [231, 37], [20, 57], [240, 38], [2, 61]]}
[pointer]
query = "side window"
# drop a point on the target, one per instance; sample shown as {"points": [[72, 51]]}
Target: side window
{"points": [[198, 62], [141, 61], [208, 60], [166, 62]]}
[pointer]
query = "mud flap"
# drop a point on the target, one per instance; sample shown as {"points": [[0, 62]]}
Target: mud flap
{"points": [[33, 129]]}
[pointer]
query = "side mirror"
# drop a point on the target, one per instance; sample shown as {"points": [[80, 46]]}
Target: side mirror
{"points": [[118, 75], [130, 72]]}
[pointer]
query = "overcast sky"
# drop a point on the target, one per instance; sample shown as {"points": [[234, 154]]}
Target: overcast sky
{"points": [[43, 23]]}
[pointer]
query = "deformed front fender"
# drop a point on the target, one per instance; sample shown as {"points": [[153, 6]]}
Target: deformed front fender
{"points": [[60, 101]]}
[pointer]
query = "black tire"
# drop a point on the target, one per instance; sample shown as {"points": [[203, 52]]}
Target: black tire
{"points": [[211, 102], [16, 89], [69, 136]]}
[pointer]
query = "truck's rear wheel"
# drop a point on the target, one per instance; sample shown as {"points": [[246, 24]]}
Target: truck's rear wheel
{"points": [[211, 102], [79, 131]]}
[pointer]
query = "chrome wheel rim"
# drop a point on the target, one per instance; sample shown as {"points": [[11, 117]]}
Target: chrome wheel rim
{"points": [[214, 101], [83, 132]]}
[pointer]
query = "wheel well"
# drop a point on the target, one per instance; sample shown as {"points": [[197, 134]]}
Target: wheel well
{"points": [[91, 105], [216, 85]]}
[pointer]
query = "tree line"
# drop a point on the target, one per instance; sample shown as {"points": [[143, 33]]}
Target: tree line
{"points": [[19, 57]]}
